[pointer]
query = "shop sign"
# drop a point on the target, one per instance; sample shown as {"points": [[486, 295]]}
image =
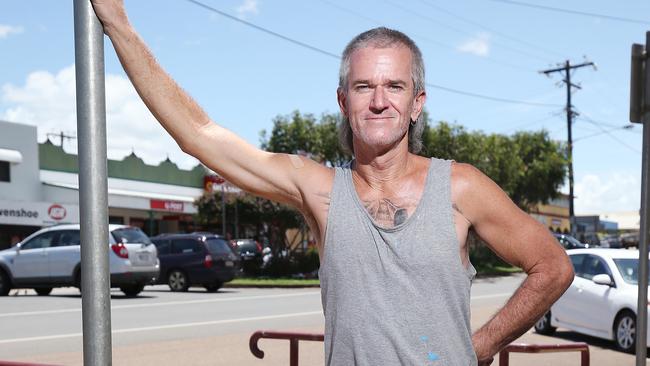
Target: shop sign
{"points": [[212, 182], [173, 206], [37, 213]]}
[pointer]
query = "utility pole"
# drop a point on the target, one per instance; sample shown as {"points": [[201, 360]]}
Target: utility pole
{"points": [[566, 69], [61, 136]]}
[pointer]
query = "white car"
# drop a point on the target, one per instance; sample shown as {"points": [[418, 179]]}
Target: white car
{"points": [[602, 300], [51, 257]]}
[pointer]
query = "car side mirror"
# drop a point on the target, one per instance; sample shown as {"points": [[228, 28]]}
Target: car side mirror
{"points": [[602, 279]]}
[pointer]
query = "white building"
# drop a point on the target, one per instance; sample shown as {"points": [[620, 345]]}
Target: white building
{"points": [[39, 187]]}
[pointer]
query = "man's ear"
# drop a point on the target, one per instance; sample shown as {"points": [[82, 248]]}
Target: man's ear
{"points": [[342, 99], [418, 105]]}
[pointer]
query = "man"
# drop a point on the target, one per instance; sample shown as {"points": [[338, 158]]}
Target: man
{"points": [[392, 226]]}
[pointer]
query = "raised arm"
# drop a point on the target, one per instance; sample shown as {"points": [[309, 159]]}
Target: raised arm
{"points": [[274, 176], [521, 241]]}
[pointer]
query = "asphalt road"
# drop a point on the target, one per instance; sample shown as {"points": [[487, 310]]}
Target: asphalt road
{"points": [[199, 328]]}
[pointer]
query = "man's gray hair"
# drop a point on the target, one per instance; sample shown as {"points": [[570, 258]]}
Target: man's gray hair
{"points": [[383, 37]]}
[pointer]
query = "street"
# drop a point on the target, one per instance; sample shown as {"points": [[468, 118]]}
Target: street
{"points": [[200, 328]]}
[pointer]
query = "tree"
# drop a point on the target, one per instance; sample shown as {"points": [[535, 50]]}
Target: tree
{"points": [[301, 134], [528, 166]]}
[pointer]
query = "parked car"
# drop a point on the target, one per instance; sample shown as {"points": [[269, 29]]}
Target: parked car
{"points": [[51, 258], [250, 253], [203, 259], [602, 300], [569, 242]]}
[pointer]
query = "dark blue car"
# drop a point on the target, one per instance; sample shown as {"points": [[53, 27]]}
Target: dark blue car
{"points": [[196, 259]]}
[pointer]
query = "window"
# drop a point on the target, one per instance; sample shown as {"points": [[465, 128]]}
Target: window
{"points": [[185, 246], [162, 246], [218, 246], [5, 175], [44, 240], [593, 266], [69, 238], [577, 260]]}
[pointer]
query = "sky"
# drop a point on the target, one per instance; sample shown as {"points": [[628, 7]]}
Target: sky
{"points": [[244, 77]]}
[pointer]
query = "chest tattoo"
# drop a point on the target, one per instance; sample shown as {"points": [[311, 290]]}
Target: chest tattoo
{"points": [[386, 213]]}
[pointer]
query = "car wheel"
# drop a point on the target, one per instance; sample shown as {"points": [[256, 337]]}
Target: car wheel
{"points": [[178, 281], [543, 325], [43, 291], [213, 287], [132, 290], [5, 284], [625, 332]]}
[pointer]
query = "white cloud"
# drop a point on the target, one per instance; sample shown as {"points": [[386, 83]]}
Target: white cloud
{"points": [[6, 30], [47, 101], [479, 45], [246, 8], [609, 192]]}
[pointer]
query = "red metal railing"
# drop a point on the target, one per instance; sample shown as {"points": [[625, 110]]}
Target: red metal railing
{"points": [[504, 355], [583, 348], [293, 338]]}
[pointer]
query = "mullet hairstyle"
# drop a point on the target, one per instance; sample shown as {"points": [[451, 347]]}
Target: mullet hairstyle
{"points": [[383, 37]]}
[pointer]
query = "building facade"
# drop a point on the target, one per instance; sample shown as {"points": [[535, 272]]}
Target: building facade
{"points": [[39, 186]]}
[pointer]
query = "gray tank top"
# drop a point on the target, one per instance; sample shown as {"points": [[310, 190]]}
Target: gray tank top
{"points": [[395, 296]]}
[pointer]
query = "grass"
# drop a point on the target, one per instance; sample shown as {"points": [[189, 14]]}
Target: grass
{"points": [[486, 270], [270, 282]]}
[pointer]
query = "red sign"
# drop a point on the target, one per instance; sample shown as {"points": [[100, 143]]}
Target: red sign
{"points": [[210, 181], [56, 212], [173, 206]]}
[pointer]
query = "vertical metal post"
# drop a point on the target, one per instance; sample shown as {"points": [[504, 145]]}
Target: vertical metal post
{"points": [[93, 190], [223, 209], [640, 93]]}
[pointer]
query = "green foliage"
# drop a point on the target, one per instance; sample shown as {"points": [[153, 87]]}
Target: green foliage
{"points": [[528, 166], [301, 134]]}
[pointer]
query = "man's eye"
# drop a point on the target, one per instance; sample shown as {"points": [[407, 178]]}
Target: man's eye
{"points": [[396, 87], [361, 87]]}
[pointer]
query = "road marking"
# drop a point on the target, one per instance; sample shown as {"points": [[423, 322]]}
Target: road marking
{"points": [[203, 301], [169, 326], [505, 294], [169, 303]]}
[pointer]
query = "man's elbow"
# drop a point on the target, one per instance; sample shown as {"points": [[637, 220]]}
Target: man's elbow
{"points": [[565, 273]]}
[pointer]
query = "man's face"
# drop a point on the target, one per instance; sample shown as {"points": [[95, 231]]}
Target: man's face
{"points": [[380, 102]]}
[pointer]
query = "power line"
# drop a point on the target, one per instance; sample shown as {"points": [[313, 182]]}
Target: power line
{"points": [[332, 55], [262, 29], [627, 127], [458, 30], [575, 12], [504, 35], [496, 99], [615, 138], [601, 132], [422, 37]]}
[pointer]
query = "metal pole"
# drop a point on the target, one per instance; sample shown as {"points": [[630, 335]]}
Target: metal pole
{"points": [[642, 305], [223, 209], [93, 191]]}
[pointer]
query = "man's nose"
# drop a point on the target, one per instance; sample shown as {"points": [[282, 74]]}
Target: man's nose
{"points": [[378, 102]]}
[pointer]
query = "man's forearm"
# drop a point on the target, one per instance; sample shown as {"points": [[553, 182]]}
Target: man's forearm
{"points": [[533, 298], [173, 108]]}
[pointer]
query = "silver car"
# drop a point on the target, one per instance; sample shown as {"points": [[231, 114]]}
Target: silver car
{"points": [[51, 257]]}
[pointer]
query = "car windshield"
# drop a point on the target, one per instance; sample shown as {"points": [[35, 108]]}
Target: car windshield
{"points": [[130, 235], [628, 267], [218, 246]]}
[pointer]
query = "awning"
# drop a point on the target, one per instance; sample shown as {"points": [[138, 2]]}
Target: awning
{"points": [[12, 156]]}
